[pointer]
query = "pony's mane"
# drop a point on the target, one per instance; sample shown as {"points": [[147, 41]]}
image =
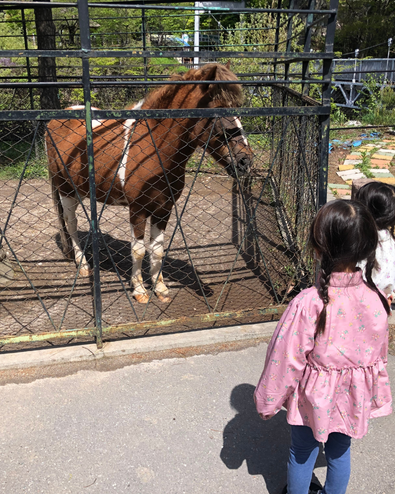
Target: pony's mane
{"points": [[224, 95]]}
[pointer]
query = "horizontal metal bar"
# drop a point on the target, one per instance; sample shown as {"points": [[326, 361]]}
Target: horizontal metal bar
{"points": [[131, 5], [168, 113], [38, 84], [205, 318], [357, 72], [289, 57], [142, 83], [353, 107]]}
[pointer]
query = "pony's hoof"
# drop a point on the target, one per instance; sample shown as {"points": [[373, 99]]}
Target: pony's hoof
{"points": [[141, 298], [163, 298], [85, 272]]}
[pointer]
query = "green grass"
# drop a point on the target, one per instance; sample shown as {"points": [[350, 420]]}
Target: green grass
{"points": [[379, 116], [259, 141], [13, 158], [365, 165]]}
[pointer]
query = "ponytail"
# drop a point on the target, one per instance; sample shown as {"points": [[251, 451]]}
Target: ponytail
{"points": [[323, 286]]}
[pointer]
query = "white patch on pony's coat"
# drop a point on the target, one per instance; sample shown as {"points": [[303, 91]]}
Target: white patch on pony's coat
{"points": [[122, 168], [138, 252], [128, 126], [69, 205], [95, 123], [156, 255]]}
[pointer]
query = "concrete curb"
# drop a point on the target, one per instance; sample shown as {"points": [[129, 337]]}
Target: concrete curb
{"points": [[84, 353]]}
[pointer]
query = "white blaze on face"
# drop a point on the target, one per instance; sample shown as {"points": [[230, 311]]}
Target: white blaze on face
{"points": [[230, 123], [238, 125]]}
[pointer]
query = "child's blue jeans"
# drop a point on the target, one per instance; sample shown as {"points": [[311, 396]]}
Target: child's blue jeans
{"points": [[303, 453]]}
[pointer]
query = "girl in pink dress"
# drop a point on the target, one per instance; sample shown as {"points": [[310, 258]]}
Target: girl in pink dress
{"points": [[326, 362]]}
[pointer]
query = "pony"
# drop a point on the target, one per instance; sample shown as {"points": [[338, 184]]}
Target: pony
{"points": [[141, 164]]}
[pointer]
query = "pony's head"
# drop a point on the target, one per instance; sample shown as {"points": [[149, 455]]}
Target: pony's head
{"points": [[224, 137]]}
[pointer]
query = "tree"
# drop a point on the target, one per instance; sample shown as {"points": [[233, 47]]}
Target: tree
{"points": [[46, 31], [363, 24]]}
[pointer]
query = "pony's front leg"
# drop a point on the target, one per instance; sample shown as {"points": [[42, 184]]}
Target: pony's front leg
{"points": [[156, 251], [138, 253], [69, 205]]}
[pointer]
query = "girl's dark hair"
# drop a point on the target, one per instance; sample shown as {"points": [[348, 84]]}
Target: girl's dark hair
{"points": [[343, 233], [380, 200]]}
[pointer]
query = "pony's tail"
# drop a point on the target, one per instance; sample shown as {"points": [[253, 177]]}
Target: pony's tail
{"points": [[65, 239]]}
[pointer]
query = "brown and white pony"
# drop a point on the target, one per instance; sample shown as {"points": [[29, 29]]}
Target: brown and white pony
{"points": [[141, 164]]}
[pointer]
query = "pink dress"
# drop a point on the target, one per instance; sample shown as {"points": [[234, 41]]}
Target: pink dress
{"points": [[338, 381]]}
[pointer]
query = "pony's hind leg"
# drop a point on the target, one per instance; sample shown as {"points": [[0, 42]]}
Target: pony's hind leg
{"points": [[69, 205], [138, 253], [156, 251]]}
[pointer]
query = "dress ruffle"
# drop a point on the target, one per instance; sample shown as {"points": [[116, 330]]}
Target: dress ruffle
{"points": [[329, 399]]}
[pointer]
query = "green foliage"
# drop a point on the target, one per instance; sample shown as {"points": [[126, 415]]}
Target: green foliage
{"points": [[11, 33], [13, 159], [377, 104], [256, 32], [388, 98], [365, 23], [365, 165], [337, 114]]}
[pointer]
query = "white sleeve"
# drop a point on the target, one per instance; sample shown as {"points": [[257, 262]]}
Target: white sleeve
{"points": [[384, 276]]}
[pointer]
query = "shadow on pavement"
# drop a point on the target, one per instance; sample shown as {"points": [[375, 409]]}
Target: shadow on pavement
{"points": [[264, 445]]}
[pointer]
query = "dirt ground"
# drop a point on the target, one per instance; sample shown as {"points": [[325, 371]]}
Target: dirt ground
{"points": [[211, 264]]}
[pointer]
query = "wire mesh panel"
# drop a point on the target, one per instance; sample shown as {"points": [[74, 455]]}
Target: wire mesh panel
{"points": [[187, 198]]}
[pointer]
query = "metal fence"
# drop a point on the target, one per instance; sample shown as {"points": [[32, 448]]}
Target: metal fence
{"points": [[235, 246], [353, 79], [381, 70]]}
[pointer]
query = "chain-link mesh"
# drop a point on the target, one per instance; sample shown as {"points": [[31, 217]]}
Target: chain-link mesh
{"points": [[237, 201]]}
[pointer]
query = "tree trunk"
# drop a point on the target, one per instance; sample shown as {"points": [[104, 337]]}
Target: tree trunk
{"points": [[49, 97]]}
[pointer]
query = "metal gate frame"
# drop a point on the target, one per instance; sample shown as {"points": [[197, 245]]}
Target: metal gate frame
{"points": [[286, 58]]}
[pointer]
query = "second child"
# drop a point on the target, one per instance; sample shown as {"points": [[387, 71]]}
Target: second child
{"points": [[380, 200]]}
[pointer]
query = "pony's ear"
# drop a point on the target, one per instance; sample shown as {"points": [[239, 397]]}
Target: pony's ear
{"points": [[209, 76], [228, 65]]}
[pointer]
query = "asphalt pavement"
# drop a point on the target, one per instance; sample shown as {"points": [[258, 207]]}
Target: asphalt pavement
{"points": [[180, 425]]}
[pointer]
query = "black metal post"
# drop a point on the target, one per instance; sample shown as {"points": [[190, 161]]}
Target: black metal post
{"points": [[307, 44], [29, 78], [324, 120], [83, 14], [143, 34], [289, 36], [277, 36]]}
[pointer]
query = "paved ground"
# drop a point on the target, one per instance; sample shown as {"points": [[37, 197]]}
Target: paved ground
{"points": [[185, 425]]}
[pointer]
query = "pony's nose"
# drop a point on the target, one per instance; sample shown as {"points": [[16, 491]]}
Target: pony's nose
{"points": [[244, 165]]}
